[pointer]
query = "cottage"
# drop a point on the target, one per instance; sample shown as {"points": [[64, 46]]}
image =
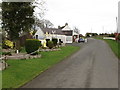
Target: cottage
{"points": [[54, 33], [69, 33], [64, 34], [41, 36]]}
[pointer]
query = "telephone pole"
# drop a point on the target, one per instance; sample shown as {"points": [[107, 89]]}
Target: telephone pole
{"points": [[116, 24]]}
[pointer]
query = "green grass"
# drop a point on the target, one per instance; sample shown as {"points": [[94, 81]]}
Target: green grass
{"points": [[115, 46], [21, 71]]}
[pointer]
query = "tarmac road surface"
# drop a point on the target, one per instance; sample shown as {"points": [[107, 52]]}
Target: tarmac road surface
{"points": [[93, 66]]}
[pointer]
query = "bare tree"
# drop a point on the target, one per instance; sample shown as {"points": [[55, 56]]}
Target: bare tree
{"points": [[76, 30], [39, 13], [48, 24]]}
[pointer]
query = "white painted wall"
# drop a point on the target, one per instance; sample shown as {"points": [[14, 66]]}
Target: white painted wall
{"points": [[62, 37], [40, 33], [69, 39]]}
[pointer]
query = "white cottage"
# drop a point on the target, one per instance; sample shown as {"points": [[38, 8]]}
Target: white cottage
{"points": [[40, 35], [69, 33], [54, 33]]}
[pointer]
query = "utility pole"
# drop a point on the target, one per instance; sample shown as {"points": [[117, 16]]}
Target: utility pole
{"points": [[91, 30], [116, 24]]}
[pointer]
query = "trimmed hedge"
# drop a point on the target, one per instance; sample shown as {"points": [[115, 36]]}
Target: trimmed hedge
{"points": [[50, 44], [55, 40], [32, 45]]}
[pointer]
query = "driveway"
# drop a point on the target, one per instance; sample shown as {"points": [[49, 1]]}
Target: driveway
{"points": [[93, 66]]}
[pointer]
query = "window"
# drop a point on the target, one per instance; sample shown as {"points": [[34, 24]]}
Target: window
{"points": [[36, 37]]}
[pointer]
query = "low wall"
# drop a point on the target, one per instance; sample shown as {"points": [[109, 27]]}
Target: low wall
{"points": [[108, 38]]}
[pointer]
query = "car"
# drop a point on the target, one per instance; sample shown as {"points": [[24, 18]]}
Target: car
{"points": [[81, 40]]}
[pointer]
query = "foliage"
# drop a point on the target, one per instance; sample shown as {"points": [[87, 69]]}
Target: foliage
{"points": [[40, 6], [32, 45], [47, 41], [6, 53], [8, 44], [22, 49], [76, 30], [119, 37], [17, 17], [55, 40], [91, 34], [115, 46], [50, 44], [20, 72], [112, 35]]}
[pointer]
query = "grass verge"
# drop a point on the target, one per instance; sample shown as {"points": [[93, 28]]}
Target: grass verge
{"points": [[115, 46], [20, 72]]}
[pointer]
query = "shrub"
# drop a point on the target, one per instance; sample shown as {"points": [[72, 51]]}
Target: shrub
{"points": [[112, 35], [47, 40], [8, 44], [50, 44], [6, 53], [118, 37], [32, 45], [55, 40]]}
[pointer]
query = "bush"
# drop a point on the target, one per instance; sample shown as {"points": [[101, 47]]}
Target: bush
{"points": [[7, 44], [47, 40], [6, 53], [32, 45], [55, 40], [50, 44], [112, 35], [118, 37]]}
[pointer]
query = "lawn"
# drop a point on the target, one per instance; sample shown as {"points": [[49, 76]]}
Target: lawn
{"points": [[20, 72]]}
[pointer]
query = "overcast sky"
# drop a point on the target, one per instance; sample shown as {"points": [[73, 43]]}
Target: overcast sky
{"points": [[88, 15]]}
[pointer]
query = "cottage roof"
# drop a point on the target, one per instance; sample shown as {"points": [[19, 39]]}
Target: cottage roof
{"points": [[66, 28], [53, 31]]}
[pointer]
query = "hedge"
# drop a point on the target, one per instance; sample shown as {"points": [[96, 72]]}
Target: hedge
{"points": [[50, 44], [32, 45], [55, 40]]}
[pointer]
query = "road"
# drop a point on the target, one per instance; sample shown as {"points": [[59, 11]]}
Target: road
{"points": [[93, 66]]}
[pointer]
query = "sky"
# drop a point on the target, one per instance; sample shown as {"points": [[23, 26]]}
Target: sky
{"points": [[97, 16]]}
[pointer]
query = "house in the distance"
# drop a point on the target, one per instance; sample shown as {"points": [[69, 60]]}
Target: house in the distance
{"points": [[54, 33], [64, 34], [68, 32], [41, 36]]}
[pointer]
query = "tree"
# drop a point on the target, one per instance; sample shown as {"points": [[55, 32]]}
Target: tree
{"points": [[48, 24], [39, 13], [76, 30], [39, 6], [17, 17]]}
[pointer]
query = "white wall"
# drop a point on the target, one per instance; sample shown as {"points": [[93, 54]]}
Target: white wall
{"points": [[62, 37], [69, 39], [40, 33]]}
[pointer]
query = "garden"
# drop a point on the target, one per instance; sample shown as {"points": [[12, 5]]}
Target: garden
{"points": [[23, 56], [20, 72]]}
